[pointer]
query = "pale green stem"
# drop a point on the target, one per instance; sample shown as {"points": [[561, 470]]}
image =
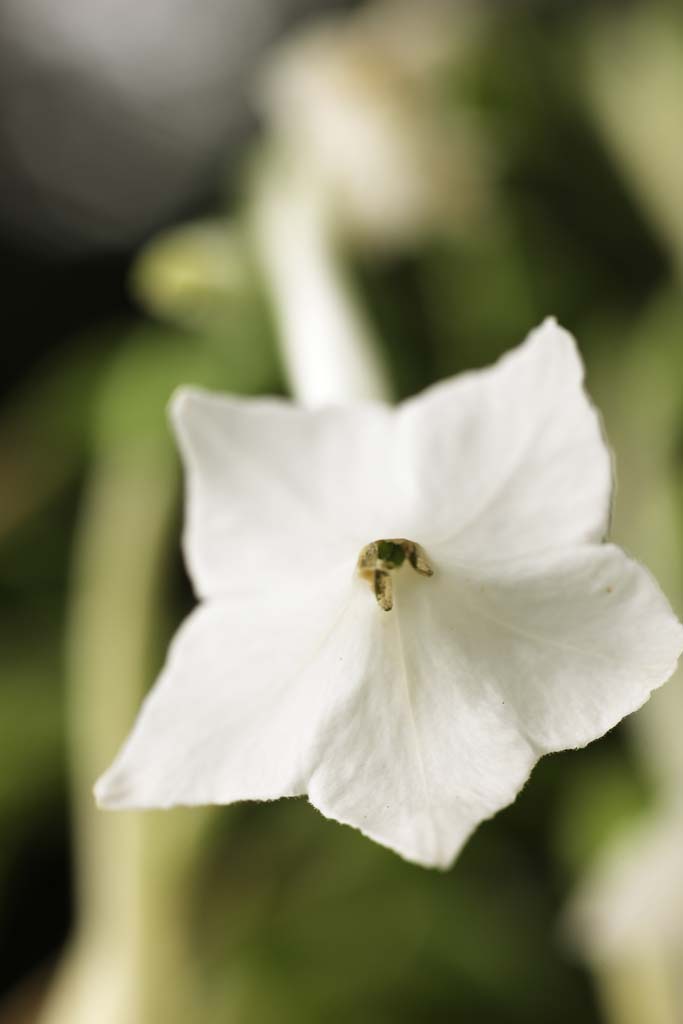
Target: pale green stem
{"points": [[130, 869], [642, 407], [639, 990], [632, 76], [327, 344]]}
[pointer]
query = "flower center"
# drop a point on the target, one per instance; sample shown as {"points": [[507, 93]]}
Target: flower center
{"points": [[379, 559]]}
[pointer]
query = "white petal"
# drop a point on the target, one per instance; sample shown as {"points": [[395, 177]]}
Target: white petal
{"points": [[422, 749], [276, 493], [412, 726], [234, 713], [573, 644], [415, 725], [508, 461], [383, 728], [470, 679]]}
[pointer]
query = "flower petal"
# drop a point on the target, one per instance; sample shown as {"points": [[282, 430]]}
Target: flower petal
{"points": [[470, 679], [508, 461], [276, 492], [413, 726], [330, 696], [420, 752], [573, 643], [416, 725], [234, 713]]}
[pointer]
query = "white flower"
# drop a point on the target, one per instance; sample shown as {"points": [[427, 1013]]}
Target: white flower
{"points": [[356, 100], [416, 723], [632, 899]]}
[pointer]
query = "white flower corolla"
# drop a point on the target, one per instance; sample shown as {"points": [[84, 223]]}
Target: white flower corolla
{"points": [[355, 100], [512, 629], [632, 898]]}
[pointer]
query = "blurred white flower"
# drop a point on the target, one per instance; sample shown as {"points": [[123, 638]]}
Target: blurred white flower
{"points": [[357, 102], [633, 897], [415, 723], [626, 918]]}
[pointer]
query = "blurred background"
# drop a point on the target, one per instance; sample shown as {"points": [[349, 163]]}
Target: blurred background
{"points": [[477, 166]]}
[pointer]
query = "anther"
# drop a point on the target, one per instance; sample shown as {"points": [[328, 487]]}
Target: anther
{"points": [[379, 559]]}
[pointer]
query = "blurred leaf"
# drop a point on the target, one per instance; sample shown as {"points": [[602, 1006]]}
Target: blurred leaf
{"points": [[194, 275], [152, 361], [43, 432], [324, 925], [603, 795], [32, 742], [31, 735]]}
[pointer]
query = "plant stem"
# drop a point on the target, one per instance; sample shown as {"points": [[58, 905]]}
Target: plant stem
{"points": [[327, 344], [642, 407], [640, 990], [127, 938]]}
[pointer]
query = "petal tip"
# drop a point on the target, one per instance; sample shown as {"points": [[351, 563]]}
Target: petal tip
{"points": [[111, 791], [550, 333], [99, 792], [179, 401], [550, 329]]}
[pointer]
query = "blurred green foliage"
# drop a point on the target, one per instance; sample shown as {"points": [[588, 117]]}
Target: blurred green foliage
{"points": [[292, 918]]}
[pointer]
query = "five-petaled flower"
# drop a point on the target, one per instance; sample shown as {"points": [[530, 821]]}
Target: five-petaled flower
{"points": [[402, 608]]}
